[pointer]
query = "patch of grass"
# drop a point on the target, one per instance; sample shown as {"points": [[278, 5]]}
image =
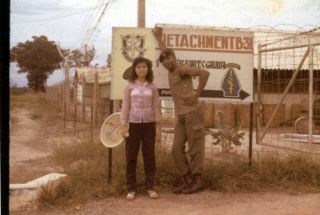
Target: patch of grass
{"points": [[14, 90], [86, 164], [35, 103], [35, 116], [52, 119], [27, 100], [54, 193], [295, 172], [27, 97], [14, 105], [228, 173]]}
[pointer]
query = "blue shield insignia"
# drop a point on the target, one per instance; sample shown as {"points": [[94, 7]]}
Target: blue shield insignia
{"points": [[230, 85]]}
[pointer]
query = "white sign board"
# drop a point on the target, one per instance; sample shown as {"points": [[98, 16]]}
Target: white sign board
{"points": [[127, 44], [227, 55]]}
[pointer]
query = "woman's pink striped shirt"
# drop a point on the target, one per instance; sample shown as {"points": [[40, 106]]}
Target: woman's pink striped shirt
{"points": [[140, 103]]}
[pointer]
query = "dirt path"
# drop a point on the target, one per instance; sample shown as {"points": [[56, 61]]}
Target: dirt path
{"points": [[30, 148], [205, 203], [29, 153]]}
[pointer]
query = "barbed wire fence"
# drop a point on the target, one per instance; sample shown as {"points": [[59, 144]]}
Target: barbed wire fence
{"points": [[288, 126], [288, 129], [89, 102], [288, 80]]}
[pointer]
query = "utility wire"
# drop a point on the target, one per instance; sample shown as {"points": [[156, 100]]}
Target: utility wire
{"points": [[90, 21], [86, 23], [60, 17], [92, 30]]}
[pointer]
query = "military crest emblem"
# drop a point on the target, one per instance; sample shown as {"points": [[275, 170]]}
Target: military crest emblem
{"points": [[230, 84], [133, 45]]}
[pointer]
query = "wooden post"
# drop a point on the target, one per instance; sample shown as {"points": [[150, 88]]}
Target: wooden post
{"points": [[310, 127], [64, 105], [250, 134], [110, 151], [83, 98], [91, 125], [67, 88], [57, 99], [110, 166], [141, 14], [75, 110], [95, 97], [259, 91]]}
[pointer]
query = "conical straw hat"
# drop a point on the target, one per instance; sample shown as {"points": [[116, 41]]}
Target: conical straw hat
{"points": [[110, 133]]}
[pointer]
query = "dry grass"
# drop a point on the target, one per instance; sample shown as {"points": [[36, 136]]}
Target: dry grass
{"points": [[35, 115], [54, 193], [295, 172], [86, 164], [19, 90], [35, 104], [27, 100]]}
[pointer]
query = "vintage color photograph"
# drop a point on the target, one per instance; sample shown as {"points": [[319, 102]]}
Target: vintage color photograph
{"points": [[142, 107]]}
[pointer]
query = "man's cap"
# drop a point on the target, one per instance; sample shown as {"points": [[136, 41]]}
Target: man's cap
{"points": [[165, 53]]}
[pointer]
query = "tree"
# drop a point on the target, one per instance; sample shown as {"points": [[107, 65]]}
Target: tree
{"points": [[38, 58], [80, 57]]}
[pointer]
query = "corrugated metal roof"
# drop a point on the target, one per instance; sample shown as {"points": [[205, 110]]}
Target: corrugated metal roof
{"points": [[104, 74]]}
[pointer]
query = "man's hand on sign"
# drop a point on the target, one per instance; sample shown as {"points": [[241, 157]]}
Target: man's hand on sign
{"points": [[157, 32]]}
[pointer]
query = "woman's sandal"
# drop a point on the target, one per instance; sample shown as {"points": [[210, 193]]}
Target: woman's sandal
{"points": [[131, 196], [153, 194]]}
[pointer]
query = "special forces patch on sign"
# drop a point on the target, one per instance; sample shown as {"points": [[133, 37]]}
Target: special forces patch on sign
{"points": [[133, 46], [230, 84]]}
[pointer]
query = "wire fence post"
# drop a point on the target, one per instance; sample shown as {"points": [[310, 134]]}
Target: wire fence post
{"points": [[250, 134], [83, 98], [91, 125], [75, 111], [110, 150]]}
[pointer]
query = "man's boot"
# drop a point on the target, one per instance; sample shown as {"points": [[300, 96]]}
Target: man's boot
{"points": [[186, 182], [195, 186]]}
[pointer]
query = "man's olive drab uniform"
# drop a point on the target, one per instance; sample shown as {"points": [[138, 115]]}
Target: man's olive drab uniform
{"points": [[189, 125]]}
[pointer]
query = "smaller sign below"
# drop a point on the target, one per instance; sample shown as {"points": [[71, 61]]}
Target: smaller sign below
{"points": [[219, 94]]}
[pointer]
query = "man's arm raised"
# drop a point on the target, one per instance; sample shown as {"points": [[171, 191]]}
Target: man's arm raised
{"points": [[157, 32]]}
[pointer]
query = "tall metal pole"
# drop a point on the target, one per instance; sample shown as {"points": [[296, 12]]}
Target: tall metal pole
{"points": [[75, 99], [250, 134], [67, 89], [111, 108], [258, 107], [310, 97]]}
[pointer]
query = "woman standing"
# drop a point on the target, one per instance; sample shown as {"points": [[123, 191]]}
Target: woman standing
{"points": [[139, 118]]}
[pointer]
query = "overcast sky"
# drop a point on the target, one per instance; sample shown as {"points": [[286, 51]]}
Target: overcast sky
{"points": [[69, 21]]}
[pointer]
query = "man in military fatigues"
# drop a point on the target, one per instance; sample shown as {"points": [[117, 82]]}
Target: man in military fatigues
{"points": [[189, 126]]}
